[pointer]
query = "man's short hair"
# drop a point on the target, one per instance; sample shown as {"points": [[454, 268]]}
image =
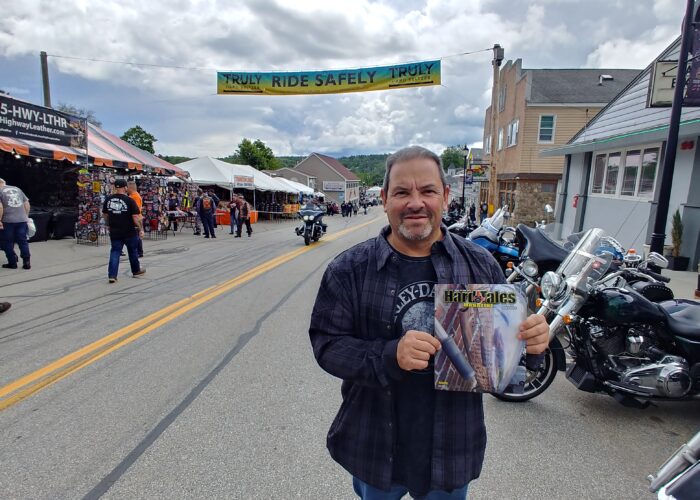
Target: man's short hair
{"points": [[411, 153]]}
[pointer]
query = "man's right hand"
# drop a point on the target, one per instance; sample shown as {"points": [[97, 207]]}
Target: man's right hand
{"points": [[415, 349]]}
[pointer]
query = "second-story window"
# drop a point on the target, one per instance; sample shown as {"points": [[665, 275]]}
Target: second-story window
{"points": [[500, 139], [546, 132], [512, 138]]}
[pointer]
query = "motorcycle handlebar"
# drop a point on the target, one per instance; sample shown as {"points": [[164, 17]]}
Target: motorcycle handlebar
{"points": [[654, 275]]}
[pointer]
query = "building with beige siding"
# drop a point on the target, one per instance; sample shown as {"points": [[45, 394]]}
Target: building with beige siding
{"points": [[293, 175], [332, 177], [540, 109]]}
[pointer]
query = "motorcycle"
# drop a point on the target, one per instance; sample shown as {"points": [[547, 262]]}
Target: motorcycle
{"points": [[462, 227], [312, 226], [622, 343], [496, 238], [679, 477]]}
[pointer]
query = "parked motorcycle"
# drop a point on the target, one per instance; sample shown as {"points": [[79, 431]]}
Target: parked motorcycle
{"points": [[312, 226], [622, 343], [679, 477], [463, 227], [496, 238]]}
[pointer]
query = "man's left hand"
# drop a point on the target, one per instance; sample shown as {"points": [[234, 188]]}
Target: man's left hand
{"points": [[535, 332]]}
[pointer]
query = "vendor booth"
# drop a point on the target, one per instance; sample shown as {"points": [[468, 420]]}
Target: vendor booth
{"points": [[67, 169], [272, 198]]}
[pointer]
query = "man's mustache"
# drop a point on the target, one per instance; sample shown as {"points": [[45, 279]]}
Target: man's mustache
{"points": [[421, 211]]}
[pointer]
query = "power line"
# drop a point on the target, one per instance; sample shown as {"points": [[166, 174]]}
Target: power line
{"points": [[195, 68]]}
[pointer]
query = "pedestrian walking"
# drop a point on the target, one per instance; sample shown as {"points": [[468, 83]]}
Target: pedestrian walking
{"points": [[472, 213], [372, 326], [197, 217], [244, 218], [173, 206], [125, 226], [206, 210], [233, 213], [14, 215], [134, 195], [354, 208], [484, 211]]}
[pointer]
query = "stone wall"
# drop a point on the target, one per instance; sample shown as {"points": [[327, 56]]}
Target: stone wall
{"points": [[530, 202]]}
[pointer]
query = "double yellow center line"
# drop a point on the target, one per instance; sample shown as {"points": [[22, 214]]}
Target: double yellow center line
{"points": [[30, 384]]}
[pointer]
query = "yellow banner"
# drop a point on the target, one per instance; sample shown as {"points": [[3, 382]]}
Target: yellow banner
{"points": [[399, 76]]}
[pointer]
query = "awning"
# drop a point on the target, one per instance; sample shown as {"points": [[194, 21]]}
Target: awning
{"points": [[104, 149]]}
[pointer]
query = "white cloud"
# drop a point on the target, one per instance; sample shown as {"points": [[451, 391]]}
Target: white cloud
{"points": [[269, 35]]}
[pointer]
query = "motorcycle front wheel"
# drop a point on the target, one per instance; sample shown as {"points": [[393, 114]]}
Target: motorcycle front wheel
{"points": [[536, 381], [307, 239]]}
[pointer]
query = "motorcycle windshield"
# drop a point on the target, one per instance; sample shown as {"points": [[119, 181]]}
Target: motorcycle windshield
{"points": [[490, 227], [588, 261]]}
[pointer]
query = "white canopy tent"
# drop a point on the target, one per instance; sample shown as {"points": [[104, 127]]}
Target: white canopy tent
{"points": [[297, 186], [210, 171]]}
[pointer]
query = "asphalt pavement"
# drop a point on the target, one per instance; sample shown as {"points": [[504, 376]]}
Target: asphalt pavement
{"points": [[220, 397]]}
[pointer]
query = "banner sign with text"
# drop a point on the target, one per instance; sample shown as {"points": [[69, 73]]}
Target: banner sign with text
{"points": [[333, 186], [399, 76], [21, 120], [243, 181]]}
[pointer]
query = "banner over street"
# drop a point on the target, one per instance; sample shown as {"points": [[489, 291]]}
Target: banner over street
{"points": [[398, 76]]}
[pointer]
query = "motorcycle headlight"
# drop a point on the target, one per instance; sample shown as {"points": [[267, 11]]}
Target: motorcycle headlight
{"points": [[529, 268], [306, 217], [551, 285]]}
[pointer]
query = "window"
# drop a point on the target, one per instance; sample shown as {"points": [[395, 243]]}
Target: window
{"points": [[500, 139], [507, 190], [610, 186], [502, 99], [649, 162], [625, 173], [629, 173], [487, 144], [598, 174], [512, 138], [548, 187], [546, 133]]}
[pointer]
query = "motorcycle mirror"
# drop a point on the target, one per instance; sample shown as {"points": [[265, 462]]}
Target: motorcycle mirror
{"points": [[658, 260], [508, 235], [548, 208]]}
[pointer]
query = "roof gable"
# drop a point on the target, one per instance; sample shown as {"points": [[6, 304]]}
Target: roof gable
{"points": [[562, 86]]}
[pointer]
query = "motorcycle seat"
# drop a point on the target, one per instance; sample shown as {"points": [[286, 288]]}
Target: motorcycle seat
{"points": [[539, 247], [682, 317], [656, 292]]}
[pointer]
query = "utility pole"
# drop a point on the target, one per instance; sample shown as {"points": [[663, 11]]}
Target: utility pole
{"points": [[659, 233], [498, 55], [45, 79]]}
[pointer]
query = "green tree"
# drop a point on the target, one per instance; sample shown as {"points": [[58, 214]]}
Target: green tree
{"points": [[140, 138], [256, 154], [453, 155], [88, 114]]}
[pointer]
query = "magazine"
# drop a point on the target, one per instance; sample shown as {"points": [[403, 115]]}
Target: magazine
{"points": [[477, 326]]}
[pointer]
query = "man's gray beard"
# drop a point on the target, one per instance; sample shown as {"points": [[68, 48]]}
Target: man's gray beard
{"points": [[424, 235]]}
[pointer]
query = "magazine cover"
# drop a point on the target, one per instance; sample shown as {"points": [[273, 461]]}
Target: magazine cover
{"points": [[477, 326]]}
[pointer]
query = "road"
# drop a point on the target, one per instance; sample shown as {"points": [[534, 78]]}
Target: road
{"points": [[198, 381]]}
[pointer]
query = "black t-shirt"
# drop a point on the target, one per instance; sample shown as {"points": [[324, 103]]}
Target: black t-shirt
{"points": [[121, 210], [415, 392], [173, 204]]}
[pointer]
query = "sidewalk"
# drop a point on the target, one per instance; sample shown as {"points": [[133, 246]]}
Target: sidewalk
{"points": [[683, 283]]}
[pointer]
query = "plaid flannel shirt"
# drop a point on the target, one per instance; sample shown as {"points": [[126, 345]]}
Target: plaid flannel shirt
{"points": [[353, 338]]}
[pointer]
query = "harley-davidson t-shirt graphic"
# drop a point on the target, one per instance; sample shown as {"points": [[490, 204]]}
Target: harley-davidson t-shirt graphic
{"points": [[120, 210], [415, 392]]}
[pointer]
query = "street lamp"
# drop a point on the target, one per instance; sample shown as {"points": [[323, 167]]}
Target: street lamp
{"points": [[465, 152]]}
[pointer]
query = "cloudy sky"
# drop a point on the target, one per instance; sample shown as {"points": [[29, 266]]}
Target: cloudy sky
{"points": [[180, 45]]}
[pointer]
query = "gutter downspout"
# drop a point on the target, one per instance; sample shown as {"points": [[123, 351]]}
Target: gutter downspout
{"points": [[561, 205]]}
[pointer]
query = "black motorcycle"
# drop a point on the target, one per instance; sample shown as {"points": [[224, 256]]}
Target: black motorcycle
{"points": [[621, 342], [312, 226]]}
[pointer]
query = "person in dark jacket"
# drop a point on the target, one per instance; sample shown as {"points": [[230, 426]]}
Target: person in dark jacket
{"points": [[372, 326]]}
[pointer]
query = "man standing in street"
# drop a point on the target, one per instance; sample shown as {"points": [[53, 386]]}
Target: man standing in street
{"points": [[14, 215], [372, 326], [206, 210], [244, 218], [134, 195], [198, 217], [125, 227], [233, 213], [484, 211]]}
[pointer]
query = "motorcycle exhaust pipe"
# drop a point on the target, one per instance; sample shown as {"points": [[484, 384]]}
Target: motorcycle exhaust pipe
{"points": [[684, 457]]}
